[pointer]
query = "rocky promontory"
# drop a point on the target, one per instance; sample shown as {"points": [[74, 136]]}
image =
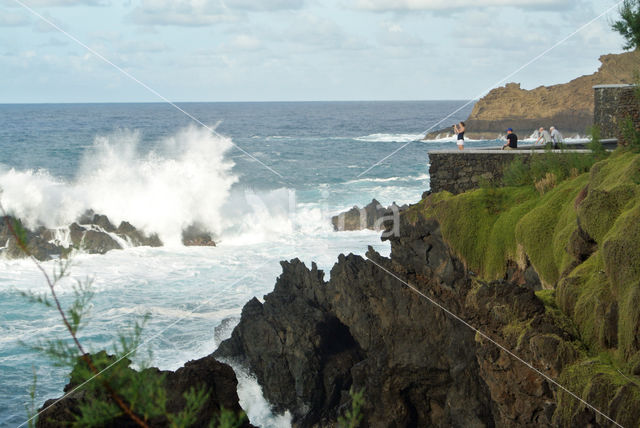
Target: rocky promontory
{"points": [[567, 106], [430, 334]]}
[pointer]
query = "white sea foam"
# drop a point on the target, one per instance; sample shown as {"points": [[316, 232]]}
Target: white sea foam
{"points": [[253, 402], [390, 138], [448, 139], [186, 180], [420, 177]]}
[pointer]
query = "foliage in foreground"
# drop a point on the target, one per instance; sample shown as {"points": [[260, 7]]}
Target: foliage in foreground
{"points": [[112, 393]]}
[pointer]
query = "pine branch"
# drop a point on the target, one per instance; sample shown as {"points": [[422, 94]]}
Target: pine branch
{"points": [[19, 234]]}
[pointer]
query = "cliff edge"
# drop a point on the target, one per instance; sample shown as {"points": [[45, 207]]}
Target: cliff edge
{"points": [[567, 106]]}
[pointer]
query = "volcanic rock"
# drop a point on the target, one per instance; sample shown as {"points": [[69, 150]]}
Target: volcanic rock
{"points": [[92, 233], [196, 235], [37, 241], [137, 238], [379, 326], [372, 216]]}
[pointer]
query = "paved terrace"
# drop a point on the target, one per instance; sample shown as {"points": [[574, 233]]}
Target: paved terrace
{"points": [[575, 146]]}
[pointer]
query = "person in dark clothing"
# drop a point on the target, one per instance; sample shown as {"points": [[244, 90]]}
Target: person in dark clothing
{"points": [[512, 140]]}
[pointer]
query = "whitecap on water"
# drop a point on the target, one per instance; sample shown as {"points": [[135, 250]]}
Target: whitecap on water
{"points": [[390, 138]]}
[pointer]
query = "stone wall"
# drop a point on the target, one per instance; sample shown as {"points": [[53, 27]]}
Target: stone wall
{"points": [[458, 171], [613, 105]]}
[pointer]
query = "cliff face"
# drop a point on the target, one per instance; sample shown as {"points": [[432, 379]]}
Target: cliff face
{"points": [[568, 106], [312, 340]]}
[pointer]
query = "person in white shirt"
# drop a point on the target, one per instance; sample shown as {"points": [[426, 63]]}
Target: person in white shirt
{"points": [[544, 136], [556, 136]]}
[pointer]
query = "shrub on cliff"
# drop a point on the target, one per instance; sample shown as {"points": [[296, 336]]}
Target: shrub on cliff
{"points": [[567, 165]]}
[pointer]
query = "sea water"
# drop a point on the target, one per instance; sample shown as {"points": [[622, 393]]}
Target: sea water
{"points": [[265, 182]]}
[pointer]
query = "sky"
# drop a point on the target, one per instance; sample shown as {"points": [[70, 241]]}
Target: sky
{"points": [[294, 50]]}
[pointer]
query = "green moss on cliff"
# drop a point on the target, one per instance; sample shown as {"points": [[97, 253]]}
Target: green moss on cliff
{"points": [[488, 228], [480, 225], [586, 297], [551, 307], [601, 385], [544, 231], [583, 240]]}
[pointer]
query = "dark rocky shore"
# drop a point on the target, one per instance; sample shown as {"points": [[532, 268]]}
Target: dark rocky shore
{"points": [[372, 216], [312, 341], [92, 233], [566, 304]]}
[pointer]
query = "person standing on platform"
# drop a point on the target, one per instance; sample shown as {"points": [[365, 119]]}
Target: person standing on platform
{"points": [[556, 137], [544, 136], [459, 130]]}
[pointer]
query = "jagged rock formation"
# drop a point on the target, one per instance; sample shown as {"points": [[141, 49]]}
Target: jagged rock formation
{"points": [[216, 378], [92, 233], [312, 340], [568, 106], [372, 217], [197, 236]]}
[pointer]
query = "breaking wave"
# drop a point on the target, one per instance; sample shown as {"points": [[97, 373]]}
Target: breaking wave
{"points": [[187, 179]]}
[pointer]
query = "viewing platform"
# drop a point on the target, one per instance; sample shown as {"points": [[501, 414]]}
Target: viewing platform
{"points": [[574, 145], [458, 171]]}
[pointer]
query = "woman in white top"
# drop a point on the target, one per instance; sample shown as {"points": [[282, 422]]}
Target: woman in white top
{"points": [[459, 129]]}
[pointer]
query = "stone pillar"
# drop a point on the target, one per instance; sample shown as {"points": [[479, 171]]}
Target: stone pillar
{"points": [[613, 105]]}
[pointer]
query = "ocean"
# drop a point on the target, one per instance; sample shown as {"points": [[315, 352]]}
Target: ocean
{"points": [[266, 184]]}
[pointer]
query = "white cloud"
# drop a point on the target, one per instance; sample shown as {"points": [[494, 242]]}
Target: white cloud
{"points": [[42, 26], [142, 46], [13, 19], [246, 43], [394, 35], [264, 5], [318, 32], [54, 3], [55, 42], [186, 13], [440, 5]]}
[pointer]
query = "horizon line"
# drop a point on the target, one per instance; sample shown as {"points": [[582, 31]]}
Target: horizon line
{"points": [[227, 101]]}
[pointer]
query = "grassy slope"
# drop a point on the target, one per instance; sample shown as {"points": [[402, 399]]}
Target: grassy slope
{"points": [[489, 227]]}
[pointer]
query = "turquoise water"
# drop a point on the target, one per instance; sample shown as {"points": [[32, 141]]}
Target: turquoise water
{"points": [[150, 165]]}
